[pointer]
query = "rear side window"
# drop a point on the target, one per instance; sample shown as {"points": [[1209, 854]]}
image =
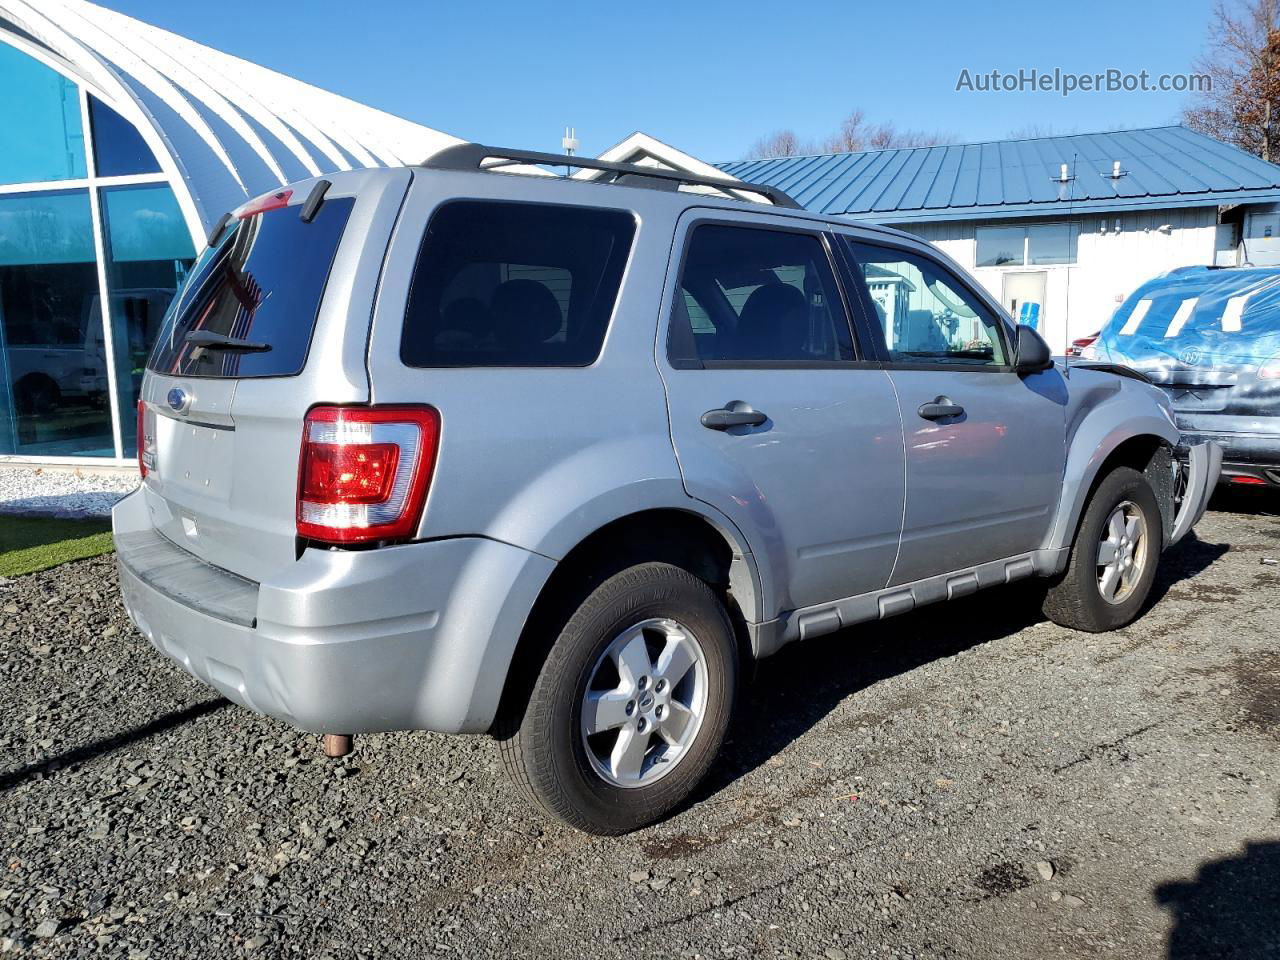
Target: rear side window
{"points": [[750, 295], [262, 284], [514, 285]]}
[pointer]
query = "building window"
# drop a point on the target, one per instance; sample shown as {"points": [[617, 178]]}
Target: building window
{"points": [[1036, 244], [71, 328], [1050, 243], [53, 360], [148, 253], [1001, 246], [41, 137], [118, 147]]}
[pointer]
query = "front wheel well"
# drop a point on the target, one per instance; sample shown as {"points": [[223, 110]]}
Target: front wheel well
{"points": [[1152, 456], [677, 537]]}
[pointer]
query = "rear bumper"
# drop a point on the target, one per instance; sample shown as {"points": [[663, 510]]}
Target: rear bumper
{"points": [[1258, 475], [1255, 448], [1244, 454], [416, 636]]}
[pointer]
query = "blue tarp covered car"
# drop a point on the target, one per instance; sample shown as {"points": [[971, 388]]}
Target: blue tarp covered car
{"points": [[1210, 337]]}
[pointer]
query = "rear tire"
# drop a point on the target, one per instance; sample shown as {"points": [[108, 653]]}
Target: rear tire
{"points": [[1113, 559], [631, 705]]}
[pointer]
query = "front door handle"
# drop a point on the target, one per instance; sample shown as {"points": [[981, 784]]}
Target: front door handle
{"points": [[940, 408], [735, 414]]}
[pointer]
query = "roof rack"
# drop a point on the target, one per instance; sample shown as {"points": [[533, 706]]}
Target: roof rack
{"points": [[472, 156]]}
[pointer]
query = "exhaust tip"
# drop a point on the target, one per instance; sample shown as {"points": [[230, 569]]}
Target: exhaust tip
{"points": [[336, 744]]}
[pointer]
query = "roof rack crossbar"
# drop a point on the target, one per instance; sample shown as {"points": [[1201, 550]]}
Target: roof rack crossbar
{"points": [[472, 156]]}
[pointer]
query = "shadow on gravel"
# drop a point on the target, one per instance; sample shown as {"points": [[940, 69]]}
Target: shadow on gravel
{"points": [[1230, 910], [1248, 502], [794, 690], [106, 745], [1181, 562], [799, 686]]}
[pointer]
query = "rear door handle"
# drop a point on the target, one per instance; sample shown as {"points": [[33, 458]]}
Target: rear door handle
{"points": [[735, 414], [940, 408]]}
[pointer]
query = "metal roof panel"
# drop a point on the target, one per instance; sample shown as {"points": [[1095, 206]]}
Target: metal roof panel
{"points": [[1163, 166]]}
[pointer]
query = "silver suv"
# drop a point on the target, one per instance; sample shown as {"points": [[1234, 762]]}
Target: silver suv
{"points": [[468, 447]]}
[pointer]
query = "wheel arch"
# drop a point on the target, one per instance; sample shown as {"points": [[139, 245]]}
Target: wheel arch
{"points": [[27, 381], [1144, 443], [706, 545]]}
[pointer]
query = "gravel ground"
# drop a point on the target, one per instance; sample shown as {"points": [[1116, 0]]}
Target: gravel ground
{"points": [[966, 781], [62, 493]]}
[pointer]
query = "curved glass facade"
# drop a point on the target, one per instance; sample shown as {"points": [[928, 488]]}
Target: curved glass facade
{"points": [[86, 220]]}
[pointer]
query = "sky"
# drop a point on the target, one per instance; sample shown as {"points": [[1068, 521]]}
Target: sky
{"points": [[708, 78]]}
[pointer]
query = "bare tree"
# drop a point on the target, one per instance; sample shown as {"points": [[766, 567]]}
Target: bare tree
{"points": [[1039, 131], [780, 143], [1243, 64], [855, 134], [1034, 131]]}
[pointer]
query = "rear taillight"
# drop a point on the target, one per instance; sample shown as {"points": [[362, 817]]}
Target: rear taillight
{"points": [[1271, 369], [146, 439], [1078, 347], [365, 471]]}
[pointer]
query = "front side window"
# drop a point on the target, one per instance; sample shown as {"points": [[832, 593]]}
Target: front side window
{"points": [[927, 316], [757, 296], [515, 285]]}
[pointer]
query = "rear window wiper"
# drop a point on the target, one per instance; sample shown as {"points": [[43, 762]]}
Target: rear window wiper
{"points": [[208, 340]]}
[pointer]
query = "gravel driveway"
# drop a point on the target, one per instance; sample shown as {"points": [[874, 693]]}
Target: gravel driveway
{"points": [[966, 781]]}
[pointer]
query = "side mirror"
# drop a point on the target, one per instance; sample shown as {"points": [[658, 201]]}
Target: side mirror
{"points": [[1033, 354]]}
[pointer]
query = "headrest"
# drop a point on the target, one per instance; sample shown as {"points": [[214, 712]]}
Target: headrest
{"points": [[525, 311]]}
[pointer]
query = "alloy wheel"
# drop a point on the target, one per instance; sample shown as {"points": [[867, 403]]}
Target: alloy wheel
{"points": [[644, 702]]}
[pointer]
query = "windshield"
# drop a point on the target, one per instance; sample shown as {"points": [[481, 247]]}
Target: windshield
{"points": [[262, 283]]}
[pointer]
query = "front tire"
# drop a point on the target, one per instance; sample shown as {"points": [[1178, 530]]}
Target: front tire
{"points": [[631, 705], [1113, 559]]}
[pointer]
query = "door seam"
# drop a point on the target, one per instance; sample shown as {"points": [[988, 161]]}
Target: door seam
{"points": [[902, 428]]}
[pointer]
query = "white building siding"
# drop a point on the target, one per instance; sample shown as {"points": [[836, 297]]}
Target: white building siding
{"points": [[1111, 261]]}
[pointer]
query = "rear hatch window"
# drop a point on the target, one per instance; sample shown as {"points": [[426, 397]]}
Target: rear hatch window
{"points": [[251, 303]]}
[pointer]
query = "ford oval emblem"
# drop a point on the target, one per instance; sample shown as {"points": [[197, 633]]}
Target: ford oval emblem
{"points": [[179, 399]]}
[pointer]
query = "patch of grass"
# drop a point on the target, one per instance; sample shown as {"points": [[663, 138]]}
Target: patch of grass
{"points": [[28, 544]]}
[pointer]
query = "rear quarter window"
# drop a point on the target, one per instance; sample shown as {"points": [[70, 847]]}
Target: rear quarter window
{"points": [[262, 283], [514, 285]]}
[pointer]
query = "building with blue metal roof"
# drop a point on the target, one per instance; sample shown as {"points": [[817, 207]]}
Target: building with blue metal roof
{"points": [[1061, 228]]}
